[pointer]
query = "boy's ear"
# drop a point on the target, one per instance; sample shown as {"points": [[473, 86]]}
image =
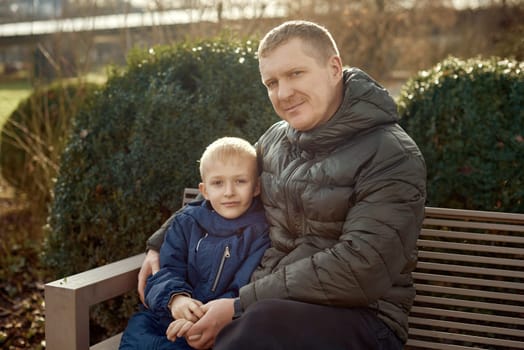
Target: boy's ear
{"points": [[202, 189]]}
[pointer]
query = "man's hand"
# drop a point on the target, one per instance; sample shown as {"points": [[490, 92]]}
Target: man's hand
{"points": [[184, 307], [218, 313], [178, 329], [150, 266]]}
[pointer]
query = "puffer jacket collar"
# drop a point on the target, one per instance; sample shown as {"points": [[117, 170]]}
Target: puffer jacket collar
{"points": [[366, 104], [220, 226]]}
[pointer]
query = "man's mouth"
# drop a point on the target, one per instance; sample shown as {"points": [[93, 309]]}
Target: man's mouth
{"points": [[292, 107]]}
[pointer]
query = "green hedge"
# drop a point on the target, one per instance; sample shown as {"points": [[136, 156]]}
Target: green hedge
{"points": [[136, 147], [467, 116], [34, 135]]}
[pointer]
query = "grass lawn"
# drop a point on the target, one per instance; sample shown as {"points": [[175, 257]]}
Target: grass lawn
{"points": [[11, 93]]}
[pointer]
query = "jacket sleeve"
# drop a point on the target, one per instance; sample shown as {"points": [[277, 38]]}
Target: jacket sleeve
{"points": [[376, 246], [172, 276], [154, 242]]}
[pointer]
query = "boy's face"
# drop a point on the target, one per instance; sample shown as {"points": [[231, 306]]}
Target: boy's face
{"points": [[230, 185], [303, 91]]}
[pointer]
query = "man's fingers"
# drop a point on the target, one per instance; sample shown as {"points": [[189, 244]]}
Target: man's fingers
{"points": [[141, 287], [145, 271], [195, 337], [150, 265], [155, 265], [183, 330]]}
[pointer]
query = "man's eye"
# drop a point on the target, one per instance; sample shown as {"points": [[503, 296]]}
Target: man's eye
{"points": [[271, 85], [216, 183]]}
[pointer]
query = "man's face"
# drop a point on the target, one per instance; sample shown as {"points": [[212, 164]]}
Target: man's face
{"points": [[304, 91], [230, 185]]}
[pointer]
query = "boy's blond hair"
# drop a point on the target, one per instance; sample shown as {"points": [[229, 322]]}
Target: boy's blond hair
{"points": [[319, 42], [225, 148]]}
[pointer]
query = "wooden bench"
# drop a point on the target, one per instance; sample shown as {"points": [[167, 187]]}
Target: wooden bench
{"points": [[469, 280]]}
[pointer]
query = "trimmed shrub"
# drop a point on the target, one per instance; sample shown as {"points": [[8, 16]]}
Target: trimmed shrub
{"points": [[135, 149], [34, 135], [467, 116]]}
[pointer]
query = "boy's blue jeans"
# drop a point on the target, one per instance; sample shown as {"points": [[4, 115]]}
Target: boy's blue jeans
{"points": [[147, 331]]}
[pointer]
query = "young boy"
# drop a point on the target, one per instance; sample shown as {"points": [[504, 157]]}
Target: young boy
{"points": [[210, 249]]}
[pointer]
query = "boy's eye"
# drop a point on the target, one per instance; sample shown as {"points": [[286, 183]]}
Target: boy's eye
{"points": [[216, 183], [241, 181]]}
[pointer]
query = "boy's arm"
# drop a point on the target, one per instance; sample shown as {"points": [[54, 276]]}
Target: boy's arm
{"points": [[170, 279], [151, 263]]}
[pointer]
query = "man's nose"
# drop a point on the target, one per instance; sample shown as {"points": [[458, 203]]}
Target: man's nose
{"points": [[285, 90]]}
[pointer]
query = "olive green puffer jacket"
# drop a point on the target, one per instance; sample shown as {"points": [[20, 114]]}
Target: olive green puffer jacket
{"points": [[345, 202]]}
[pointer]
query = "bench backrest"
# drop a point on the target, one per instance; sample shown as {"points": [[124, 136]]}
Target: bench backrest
{"points": [[469, 281]]}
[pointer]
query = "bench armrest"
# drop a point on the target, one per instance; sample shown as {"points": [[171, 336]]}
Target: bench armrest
{"points": [[68, 300]]}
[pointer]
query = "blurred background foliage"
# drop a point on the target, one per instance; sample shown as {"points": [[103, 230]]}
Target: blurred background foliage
{"points": [[34, 136], [467, 116]]}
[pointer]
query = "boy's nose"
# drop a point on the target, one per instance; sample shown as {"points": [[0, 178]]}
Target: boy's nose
{"points": [[229, 190]]}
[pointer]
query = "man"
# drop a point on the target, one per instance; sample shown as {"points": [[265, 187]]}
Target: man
{"points": [[344, 191]]}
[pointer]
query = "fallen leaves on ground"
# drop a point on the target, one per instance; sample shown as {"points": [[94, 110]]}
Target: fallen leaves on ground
{"points": [[21, 279]]}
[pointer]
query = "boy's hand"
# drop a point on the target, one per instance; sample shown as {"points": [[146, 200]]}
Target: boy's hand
{"points": [[178, 329], [184, 307]]}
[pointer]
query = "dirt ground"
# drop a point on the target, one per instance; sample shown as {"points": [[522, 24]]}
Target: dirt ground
{"points": [[21, 277]]}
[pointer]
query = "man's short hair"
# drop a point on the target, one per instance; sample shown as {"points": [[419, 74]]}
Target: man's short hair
{"points": [[320, 41]]}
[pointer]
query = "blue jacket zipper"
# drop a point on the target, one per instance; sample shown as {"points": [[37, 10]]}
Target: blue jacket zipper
{"points": [[225, 256], [200, 241]]}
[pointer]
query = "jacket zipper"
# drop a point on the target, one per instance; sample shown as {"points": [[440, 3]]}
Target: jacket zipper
{"points": [[293, 203], [225, 256], [200, 241]]}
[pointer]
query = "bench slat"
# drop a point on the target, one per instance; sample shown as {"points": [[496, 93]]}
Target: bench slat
{"points": [[467, 280], [422, 310], [440, 335], [467, 292], [108, 344], [469, 247], [422, 265], [472, 224], [475, 215], [425, 255], [487, 237], [465, 326], [421, 344], [469, 303]]}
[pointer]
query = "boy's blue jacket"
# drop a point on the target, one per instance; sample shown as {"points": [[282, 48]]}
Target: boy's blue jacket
{"points": [[207, 256]]}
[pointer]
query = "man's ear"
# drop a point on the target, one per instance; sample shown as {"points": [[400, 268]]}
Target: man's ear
{"points": [[202, 189], [335, 64]]}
